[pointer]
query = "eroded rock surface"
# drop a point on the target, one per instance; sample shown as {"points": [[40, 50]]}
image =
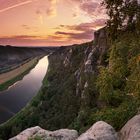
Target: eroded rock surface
{"points": [[131, 130], [37, 132], [99, 131]]}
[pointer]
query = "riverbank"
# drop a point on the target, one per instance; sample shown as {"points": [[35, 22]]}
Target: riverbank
{"points": [[21, 93], [11, 56], [6, 69], [85, 83], [10, 77]]}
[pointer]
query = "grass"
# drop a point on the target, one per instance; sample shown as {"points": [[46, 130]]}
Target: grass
{"points": [[57, 105], [5, 85]]}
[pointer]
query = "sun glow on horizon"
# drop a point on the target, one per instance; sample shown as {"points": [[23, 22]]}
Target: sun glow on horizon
{"points": [[49, 22]]}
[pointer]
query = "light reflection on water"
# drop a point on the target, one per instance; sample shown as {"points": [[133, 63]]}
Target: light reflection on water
{"points": [[20, 93]]}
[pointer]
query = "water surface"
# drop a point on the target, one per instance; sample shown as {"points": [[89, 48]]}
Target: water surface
{"points": [[20, 93]]}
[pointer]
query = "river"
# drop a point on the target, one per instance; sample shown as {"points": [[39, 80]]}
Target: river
{"points": [[20, 93]]}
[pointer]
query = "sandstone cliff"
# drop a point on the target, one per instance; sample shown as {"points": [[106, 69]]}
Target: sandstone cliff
{"points": [[86, 83], [99, 131]]}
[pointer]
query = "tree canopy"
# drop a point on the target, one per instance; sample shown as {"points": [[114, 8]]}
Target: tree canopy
{"points": [[123, 14]]}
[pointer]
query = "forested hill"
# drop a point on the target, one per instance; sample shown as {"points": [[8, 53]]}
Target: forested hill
{"points": [[10, 55], [98, 80], [84, 84]]}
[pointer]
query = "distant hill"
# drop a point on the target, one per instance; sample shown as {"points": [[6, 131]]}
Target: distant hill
{"points": [[84, 84], [10, 55]]}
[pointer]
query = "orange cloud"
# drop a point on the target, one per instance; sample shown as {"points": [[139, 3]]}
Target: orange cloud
{"points": [[92, 8], [31, 40], [51, 11], [86, 35], [75, 23], [85, 26], [53, 1], [83, 31]]}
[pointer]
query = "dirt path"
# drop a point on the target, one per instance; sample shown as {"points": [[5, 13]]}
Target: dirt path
{"points": [[4, 77]]}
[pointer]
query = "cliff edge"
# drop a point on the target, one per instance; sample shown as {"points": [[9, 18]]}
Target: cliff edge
{"points": [[87, 83]]}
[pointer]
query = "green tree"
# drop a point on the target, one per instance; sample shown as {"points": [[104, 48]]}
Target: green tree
{"points": [[114, 8], [123, 14]]}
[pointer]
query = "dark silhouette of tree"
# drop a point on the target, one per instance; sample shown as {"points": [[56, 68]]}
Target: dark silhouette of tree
{"points": [[123, 14]]}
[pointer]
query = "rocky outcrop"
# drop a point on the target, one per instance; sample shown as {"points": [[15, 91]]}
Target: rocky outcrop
{"points": [[67, 58], [131, 130], [34, 132], [99, 131], [26, 134]]}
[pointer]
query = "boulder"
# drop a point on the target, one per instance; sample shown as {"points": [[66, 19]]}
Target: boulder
{"points": [[26, 134], [34, 132], [99, 131], [131, 130]]}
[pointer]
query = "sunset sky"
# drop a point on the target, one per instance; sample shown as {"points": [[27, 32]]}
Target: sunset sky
{"points": [[49, 22]]}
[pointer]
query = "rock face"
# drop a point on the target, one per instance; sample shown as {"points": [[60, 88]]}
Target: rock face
{"points": [[34, 132], [99, 131], [131, 130], [27, 133]]}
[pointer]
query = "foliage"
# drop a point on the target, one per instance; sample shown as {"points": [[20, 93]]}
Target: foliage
{"points": [[35, 138], [73, 98], [5, 85], [117, 117], [123, 14]]}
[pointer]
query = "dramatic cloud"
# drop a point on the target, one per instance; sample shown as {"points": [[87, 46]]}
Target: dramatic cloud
{"points": [[85, 26], [87, 35], [90, 7], [51, 11], [93, 8], [48, 9], [82, 31], [49, 21], [28, 40]]}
